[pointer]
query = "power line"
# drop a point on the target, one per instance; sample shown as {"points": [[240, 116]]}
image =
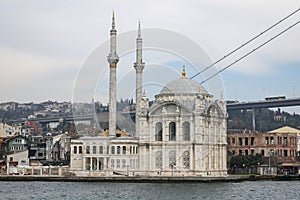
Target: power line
{"points": [[263, 44], [257, 36]]}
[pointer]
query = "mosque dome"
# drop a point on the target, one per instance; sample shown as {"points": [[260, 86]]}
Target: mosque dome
{"points": [[183, 86]]}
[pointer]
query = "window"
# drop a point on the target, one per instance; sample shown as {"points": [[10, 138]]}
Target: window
{"points": [[87, 149], [130, 150], [186, 160], [280, 140], [233, 140], [285, 141], [246, 152], [263, 152], [271, 140], [252, 141], [252, 151], [240, 141], [94, 149], [246, 141], [118, 149], [267, 140], [172, 159], [100, 149], [186, 131], [233, 152], [113, 150], [124, 149], [158, 131], [123, 163], [240, 152], [112, 163], [118, 163], [285, 153], [172, 131], [80, 149], [158, 160]]}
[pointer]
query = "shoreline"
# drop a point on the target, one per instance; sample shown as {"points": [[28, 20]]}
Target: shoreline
{"points": [[145, 179]]}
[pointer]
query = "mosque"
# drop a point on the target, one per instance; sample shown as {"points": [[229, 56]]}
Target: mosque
{"points": [[183, 133]]}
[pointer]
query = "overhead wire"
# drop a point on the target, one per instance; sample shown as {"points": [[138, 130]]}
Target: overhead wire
{"points": [[250, 52], [243, 45]]}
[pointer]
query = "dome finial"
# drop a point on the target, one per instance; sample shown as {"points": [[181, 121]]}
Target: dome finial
{"points": [[183, 73]]}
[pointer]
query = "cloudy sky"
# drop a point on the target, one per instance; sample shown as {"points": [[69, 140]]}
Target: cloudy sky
{"points": [[44, 44]]}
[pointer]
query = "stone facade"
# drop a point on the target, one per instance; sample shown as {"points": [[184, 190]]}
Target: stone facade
{"points": [[280, 144], [183, 133]]}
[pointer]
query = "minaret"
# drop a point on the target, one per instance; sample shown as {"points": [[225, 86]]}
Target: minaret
{"points": [[112, 59], [138, 66]]}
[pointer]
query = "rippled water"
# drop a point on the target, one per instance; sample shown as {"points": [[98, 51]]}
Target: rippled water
{"points": [[112, 190]]}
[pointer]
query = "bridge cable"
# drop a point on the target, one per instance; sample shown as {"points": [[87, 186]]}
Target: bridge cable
{"points": [[257, 36], [263, 44]]}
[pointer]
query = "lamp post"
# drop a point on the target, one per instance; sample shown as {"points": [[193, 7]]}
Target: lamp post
{"points": [[270, 153], [127, 170], [172, 167]]}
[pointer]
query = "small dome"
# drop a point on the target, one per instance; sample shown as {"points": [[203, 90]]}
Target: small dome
{"points": [[183, 86]]}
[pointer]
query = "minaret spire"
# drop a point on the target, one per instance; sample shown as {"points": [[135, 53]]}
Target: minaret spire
{"points": [[113, 23], [139, 30], [138, 66], [112, 59]]}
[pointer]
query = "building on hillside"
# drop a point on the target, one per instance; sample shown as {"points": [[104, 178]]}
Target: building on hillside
{"points": [[58, 147], [7, 130], [279, 145], [14, 145], [183, 133], [32, 128]]}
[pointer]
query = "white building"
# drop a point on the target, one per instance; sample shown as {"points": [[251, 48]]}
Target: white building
{"points": [[99, 156], [8, 130], [183, 133]]}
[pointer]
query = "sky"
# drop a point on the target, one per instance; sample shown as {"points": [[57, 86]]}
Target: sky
{"points": [[45, 45]]}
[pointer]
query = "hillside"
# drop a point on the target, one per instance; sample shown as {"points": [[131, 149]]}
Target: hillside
{"points": [[266, 119]]}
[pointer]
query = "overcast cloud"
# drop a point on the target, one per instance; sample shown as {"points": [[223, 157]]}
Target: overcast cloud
{"points": [[44, 43]]}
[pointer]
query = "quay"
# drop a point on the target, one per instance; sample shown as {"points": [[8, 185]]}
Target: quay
{"points": [[147, 179]]}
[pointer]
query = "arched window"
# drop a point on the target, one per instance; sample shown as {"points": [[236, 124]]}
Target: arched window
{"points": [[172, 131], [100, 149], [186, 131], [158, 131], [158, 160], [112, 150], [80, 149], [75, 149], [186, 160], [172, 159], [87, 150]]}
